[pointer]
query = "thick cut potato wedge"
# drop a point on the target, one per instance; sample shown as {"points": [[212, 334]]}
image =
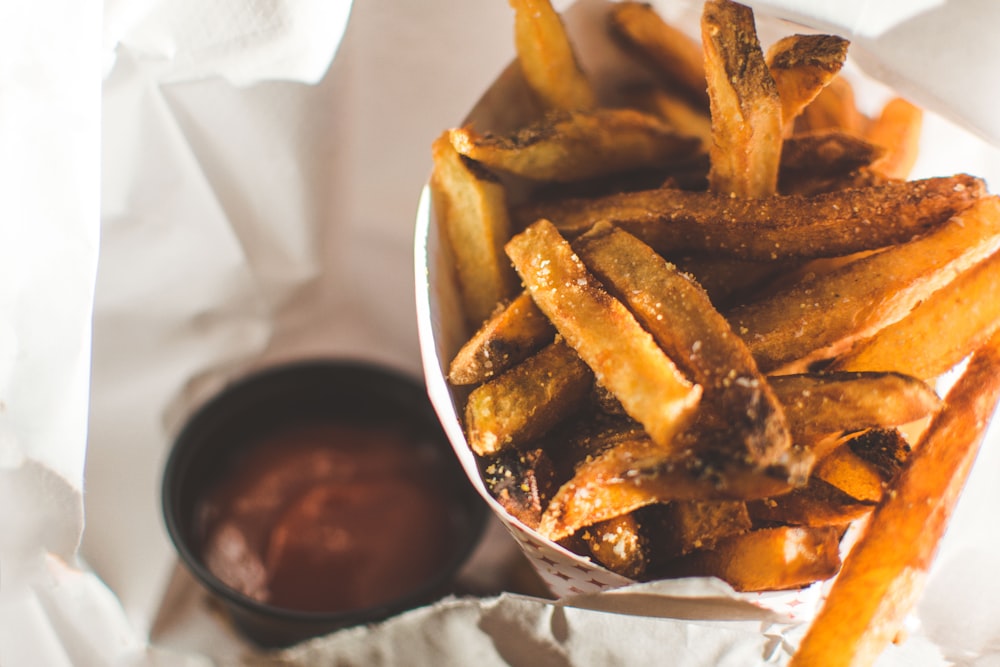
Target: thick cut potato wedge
{"points": [[471, 205], [866, 465], [522, 481], [884, 572], [635, 472], [672, 53], [826, 403], [527, 401], [940, 331], [814, 161], [623, 356], [620, 544], [512, 334], [684, 526], [802, 65], [817, 504], [745, 107], [822, 316], [576, 146], [679, 222], [696, 336], [547, 58], [767, 559]]}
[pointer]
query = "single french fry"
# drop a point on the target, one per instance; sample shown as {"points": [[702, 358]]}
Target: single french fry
{"points": [[833, 108], [745, 107], [527, 401], [471, 205], [897, 130], [696, 336], [825, 403], [548, 59], [884, 572], [822, 317], [635, 472], [802, 65], [865, 465], [678, 222], [522, 481], [620, 544], [623, 356], [816, 504], [512, 334], [683, 526], [672, 53], [575, 146], [767, 559], [940, 331], [811, 160]]}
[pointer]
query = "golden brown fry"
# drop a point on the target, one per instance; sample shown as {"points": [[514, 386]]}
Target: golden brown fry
{"points": [[884, 573], [527, 401], [865, 465], [816, 504], [834, 108], [471, 206], [822, 317], [677, 222], [684, 526], [824, 403], [674, 110], [940, 331], [767, 559], [575, 146], [745, 107], [897, 130], [623, 356], [802, 65], [826, 153], [547, 57], [697, 337], [522, 482], [670, 51], [509, 336], [731, 281], [635, 472], [620, 544]]}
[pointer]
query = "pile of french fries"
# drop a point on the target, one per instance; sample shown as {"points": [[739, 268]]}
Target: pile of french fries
{"points": [[708, 311]]}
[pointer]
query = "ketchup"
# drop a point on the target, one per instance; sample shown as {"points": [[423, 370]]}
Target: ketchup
{"points": [[328, 516]]}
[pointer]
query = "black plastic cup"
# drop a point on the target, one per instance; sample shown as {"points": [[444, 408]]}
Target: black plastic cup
{"points": [[352, 391]]}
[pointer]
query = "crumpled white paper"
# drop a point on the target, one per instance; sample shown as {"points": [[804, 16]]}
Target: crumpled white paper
{"points": [[252, 204]]}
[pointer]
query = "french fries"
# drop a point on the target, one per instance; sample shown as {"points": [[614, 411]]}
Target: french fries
{"points": [[822, 316], [472, 206], [623, 356], [802, 65], [677, 222], [547, 58], [674, 55], [745, 106], [576, 146], [725, 348], [884, 572]]}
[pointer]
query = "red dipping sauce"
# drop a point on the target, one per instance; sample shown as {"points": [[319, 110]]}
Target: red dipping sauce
{"points": [[328, 516]]}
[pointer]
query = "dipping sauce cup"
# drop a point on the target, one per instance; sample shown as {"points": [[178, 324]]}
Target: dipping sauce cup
{"points": [[319, 495]]}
